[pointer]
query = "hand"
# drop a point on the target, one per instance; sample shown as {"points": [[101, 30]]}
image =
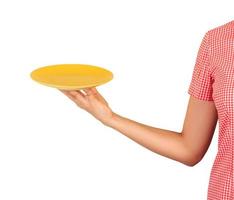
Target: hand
{"points": [[92, 101]]}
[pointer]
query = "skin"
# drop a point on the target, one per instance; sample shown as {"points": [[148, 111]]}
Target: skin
{"points": [[187, 147]]}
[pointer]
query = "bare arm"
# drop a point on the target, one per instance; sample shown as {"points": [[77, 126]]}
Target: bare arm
{"points": [[199, 126], [187, 147]]}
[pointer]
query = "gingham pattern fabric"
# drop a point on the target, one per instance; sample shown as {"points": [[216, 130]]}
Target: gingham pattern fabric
{"points": [[213, 80]]}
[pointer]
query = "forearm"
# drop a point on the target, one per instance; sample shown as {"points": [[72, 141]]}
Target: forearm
{"points": [[161, 141]]}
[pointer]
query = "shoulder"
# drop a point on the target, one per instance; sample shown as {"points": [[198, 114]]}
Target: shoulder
{"points": [[221, 32]]}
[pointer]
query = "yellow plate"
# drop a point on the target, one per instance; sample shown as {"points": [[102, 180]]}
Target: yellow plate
{"points": [[71, 76]]}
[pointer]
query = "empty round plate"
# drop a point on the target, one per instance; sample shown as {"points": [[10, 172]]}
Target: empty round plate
{"points": [[71, 76]]}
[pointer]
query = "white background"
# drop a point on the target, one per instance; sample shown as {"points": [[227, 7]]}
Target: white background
{"points": [[50, 148]]}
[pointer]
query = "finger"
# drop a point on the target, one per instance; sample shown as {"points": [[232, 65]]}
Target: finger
{"points": [[70, 94], [67, 93], [88, 91], [78, 97], [81, 93], [74, 93], [94, 90]]}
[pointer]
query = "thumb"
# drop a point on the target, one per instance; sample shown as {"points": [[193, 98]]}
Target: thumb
{"points": [[96, 92], [90, 91]]}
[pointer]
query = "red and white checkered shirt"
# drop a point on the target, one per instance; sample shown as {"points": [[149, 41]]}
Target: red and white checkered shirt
{"points": [[213, 80]]}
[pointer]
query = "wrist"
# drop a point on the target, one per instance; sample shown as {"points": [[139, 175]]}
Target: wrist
{"points": [[110, 120]]}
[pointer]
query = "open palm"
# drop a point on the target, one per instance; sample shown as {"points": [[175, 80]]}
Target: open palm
{"points": [[92, 101]]}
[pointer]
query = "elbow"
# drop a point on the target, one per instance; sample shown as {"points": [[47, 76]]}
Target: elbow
{"points": [[192, 160], [190, 163], [191, 156]]}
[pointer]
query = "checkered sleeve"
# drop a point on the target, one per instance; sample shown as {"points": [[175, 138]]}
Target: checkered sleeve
{"points": [[201, 81]]}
